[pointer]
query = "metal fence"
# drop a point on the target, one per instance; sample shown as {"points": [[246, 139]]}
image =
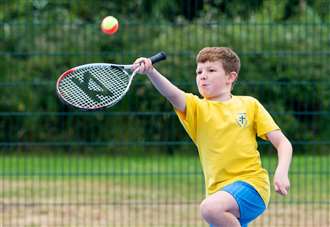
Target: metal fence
{"points": [[133, 165]]}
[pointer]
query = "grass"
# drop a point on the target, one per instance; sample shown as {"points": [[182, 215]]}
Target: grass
{"points": [[139, 186], [309, 174]]}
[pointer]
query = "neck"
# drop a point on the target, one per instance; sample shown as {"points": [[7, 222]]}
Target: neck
{"points": [[221, 97]]}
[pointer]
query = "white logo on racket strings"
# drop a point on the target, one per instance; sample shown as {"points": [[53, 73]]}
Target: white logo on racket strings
{"points": [[91, 93]]}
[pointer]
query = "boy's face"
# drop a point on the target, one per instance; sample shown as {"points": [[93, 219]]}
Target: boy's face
{"points": [[212, 81]]}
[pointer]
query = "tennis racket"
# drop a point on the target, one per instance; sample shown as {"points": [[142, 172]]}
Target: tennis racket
{"points": [[98, 85]]}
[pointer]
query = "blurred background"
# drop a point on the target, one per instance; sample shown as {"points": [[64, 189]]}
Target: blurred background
{"points": [[133, 164]]}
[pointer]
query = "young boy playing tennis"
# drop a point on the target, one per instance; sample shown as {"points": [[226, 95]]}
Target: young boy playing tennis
{"points": [[224, 128]]}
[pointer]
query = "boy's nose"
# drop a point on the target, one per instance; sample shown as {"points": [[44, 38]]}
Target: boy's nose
{"points": [[203, 76]]}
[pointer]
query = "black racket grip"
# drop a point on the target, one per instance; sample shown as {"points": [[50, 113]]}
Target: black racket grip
{"points": [[158, 57]]}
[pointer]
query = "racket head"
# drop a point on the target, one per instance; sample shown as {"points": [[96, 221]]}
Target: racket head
{"points": [[97, 86], [94, 86]]}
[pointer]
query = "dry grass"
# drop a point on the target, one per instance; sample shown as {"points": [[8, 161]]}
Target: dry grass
{"points": [[86, 202]]}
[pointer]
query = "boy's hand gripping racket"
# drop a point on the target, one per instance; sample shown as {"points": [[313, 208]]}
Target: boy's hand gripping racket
{"points": [[97, 86]]}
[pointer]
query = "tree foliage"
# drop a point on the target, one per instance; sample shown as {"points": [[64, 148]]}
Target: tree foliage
{"points": [[284, 47]]}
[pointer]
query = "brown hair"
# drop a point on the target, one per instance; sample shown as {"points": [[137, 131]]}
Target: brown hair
{"points": [[229, 59]]}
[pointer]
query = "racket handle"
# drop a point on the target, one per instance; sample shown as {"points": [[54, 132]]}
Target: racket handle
{"points": [[158, 57]]}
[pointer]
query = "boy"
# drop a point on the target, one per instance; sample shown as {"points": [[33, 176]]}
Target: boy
{"points": [[224, 128]]}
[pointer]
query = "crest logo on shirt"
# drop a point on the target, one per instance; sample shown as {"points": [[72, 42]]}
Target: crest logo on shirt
{"points": [[241, 120]]}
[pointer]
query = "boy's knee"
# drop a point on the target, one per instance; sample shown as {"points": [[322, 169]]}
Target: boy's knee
{"points": [[210, 210]]}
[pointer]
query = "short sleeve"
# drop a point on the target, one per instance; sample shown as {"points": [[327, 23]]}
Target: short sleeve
{"points": [[188, 118], [263, 121]]}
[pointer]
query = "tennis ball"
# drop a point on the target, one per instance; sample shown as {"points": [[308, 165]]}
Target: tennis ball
{"points": [[109, 25]]}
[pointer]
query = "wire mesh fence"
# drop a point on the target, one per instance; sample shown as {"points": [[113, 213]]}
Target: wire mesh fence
{"points": [[133, 164]]}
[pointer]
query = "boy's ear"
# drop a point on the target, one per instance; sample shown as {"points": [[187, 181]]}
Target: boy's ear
{"points": [[232, 76]]}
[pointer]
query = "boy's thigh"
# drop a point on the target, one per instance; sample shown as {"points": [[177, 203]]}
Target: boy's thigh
{"points": [[221, 201]]}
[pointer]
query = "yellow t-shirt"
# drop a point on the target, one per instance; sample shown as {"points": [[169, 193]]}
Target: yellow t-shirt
{"points": [[225, 135]]}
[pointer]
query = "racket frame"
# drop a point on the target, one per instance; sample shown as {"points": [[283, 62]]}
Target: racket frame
{"points": [[124, 68]]}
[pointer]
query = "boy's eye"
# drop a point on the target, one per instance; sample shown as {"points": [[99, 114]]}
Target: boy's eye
{"points": [[212, 70]]}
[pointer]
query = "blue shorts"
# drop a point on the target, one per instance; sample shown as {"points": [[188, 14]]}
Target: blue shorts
{"points": [[250, 203]]}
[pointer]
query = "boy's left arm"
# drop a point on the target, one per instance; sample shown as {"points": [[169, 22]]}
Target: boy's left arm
{"points": [[284, 151]]}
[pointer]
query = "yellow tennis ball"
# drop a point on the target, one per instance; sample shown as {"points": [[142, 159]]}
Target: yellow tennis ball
{"points": [[109, 25]]}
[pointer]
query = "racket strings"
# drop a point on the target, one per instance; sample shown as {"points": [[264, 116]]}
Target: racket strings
{"points": [[94, 86]]}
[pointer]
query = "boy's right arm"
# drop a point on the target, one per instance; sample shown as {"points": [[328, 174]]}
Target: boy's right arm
{"points": [[172, 93]]}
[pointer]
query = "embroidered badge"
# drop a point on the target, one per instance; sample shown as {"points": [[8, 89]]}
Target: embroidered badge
{"points": [[241, 120]]}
